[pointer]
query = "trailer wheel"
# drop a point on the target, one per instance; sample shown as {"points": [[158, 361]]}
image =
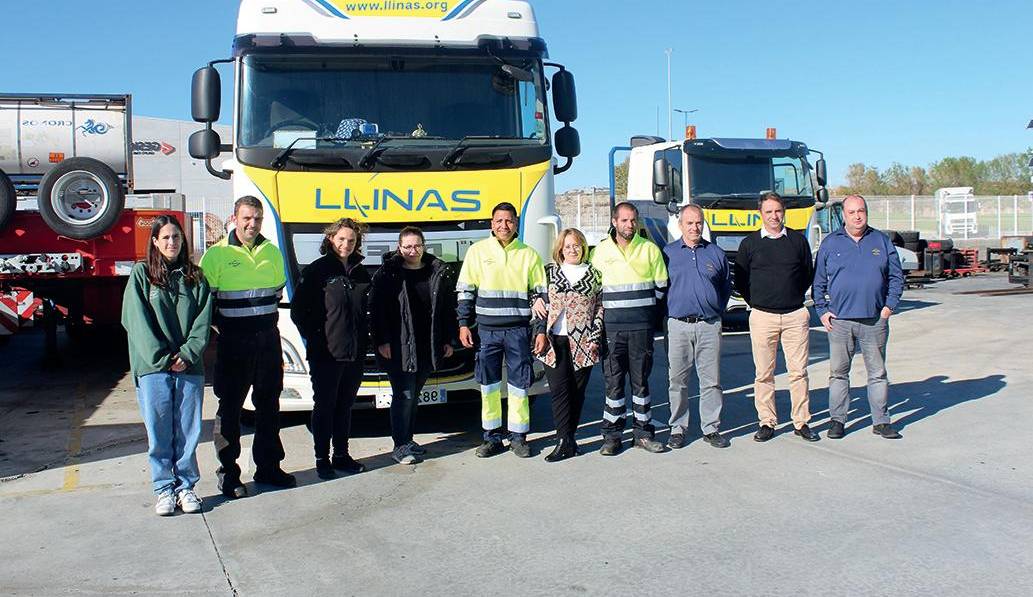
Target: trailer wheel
{"points": [[8, 200], [81, 198]]}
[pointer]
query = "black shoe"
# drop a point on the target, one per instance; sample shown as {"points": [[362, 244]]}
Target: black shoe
{"points": [[764, 434], [520, 447], [276, 478], [716, 439], [489, 449], [611, 447], [233, 489], [566, 448], [806, 433], [648, 444], [836, 430], [325, 470], [676, 441], [347, 464], [886, 431]]}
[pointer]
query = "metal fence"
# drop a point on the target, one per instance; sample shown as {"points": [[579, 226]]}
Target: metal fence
{"points": [[978, 218]]}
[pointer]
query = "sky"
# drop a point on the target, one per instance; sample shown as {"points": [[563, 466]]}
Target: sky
{"points": [[873, 81]]}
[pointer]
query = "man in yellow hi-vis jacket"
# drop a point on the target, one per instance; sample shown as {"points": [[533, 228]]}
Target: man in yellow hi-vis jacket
{"points": [[500, 280], [634, 279], [246, 274]]}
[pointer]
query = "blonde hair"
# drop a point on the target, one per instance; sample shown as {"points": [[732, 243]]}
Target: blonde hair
{"points": [[561, 238]]}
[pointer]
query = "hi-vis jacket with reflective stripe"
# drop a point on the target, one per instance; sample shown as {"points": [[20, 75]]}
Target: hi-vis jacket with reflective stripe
{"points": [[633, 280], [497, 285], [247, 283]]}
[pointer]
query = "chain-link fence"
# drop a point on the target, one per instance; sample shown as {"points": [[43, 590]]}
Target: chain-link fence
{"points": [[976, 218]]}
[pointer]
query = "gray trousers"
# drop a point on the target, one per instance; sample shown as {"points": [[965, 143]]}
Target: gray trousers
{"points": [[696, 344], [846, 334]]}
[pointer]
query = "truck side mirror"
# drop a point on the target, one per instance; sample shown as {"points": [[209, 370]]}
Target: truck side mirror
{"points": [[820, 172], [205, 95], [661, 181], [568, 142], [564, 96], [822, 195], [204, 144]]}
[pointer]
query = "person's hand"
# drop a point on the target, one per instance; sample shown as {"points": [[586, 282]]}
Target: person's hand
{"points": [[826, 320], [178, 364], [539, 309], [385, 351], [541, 344], [465, 337], [886, 312], [448, 350]]}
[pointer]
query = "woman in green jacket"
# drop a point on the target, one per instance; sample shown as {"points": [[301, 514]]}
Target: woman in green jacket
{"points": [[167, 312]]}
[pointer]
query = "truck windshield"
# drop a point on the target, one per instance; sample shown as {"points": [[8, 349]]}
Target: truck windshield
{"points": [[284, 98], [732, 179]]}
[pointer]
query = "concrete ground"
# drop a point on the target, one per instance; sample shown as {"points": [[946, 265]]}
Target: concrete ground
{"points": [[947, 510]]}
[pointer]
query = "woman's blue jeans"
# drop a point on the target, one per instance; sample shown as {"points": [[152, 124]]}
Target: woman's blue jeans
{"points": [[170, 404]]}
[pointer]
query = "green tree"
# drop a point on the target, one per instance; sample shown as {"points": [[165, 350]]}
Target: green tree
{"points": [[955, 172], [620, 177]]}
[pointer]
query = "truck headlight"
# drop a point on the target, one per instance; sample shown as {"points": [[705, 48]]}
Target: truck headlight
{"points": [[292, 362]]}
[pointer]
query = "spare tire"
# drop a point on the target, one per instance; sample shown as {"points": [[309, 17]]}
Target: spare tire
{"points": [[910, 236], [895, 239], [81, 198], [8, 200]]}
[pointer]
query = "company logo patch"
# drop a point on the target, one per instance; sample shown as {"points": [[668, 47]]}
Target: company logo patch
{"points": [[876, 252], [234, 263]]}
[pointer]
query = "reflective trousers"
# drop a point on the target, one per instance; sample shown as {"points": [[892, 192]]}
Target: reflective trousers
{"points": [[627, 354], [513, 346]]}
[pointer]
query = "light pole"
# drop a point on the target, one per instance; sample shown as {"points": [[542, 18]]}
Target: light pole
{"points": [[670, 126], [685, 115]]}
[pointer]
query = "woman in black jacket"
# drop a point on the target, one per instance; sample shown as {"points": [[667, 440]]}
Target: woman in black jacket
{"points": [[413, 305], [329, 309]]}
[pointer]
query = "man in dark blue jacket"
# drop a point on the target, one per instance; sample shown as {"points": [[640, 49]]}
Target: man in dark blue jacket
{"points": [[858, 282]]}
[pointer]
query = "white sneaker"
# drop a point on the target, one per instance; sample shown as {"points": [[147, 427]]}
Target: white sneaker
{"points": [[166, 505], [403, 455], [188, 501]]}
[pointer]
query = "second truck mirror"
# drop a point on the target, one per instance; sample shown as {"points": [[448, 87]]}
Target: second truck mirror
{"points": [[661, 182], [822, 195], [204, 144], [564, 96], [820, 172], [205, 95], [568, 142]]}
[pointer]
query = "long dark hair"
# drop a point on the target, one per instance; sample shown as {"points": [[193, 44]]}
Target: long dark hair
{"points": [[158, 269], [326, 248]]}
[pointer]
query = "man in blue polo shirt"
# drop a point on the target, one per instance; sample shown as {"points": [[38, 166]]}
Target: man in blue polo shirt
{"points": [[857, 286], [700, 284]]}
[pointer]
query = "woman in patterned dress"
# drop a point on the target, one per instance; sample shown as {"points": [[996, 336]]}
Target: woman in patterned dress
{"points": [[575, 326]]}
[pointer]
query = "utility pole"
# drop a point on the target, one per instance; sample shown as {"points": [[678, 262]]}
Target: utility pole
{"points": [[670, 127]]}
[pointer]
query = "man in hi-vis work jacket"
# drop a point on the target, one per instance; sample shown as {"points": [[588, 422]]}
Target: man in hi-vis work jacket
{"points": [[500, 279], [245, 272], [634, 278]]}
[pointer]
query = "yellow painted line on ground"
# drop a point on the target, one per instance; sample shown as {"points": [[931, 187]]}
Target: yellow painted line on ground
{"points": [[42, 492], [75, 439]]}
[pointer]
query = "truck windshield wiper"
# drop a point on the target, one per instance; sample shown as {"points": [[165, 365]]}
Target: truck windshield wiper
{"points": [[451, 158], [366, 162], [281, 158]]}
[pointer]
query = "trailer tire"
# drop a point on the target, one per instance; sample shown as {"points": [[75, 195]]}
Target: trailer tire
{"points": [[8, 200], [81, 198]]}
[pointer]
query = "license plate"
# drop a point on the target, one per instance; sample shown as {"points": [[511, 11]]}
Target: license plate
{"points": [[429, 395]]}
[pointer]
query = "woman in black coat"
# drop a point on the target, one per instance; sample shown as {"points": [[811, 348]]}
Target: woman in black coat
{"points": [[413, 306], [329, 309]]}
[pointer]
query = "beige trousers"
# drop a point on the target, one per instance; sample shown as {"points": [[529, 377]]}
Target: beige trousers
{"points": [[793, 330]]}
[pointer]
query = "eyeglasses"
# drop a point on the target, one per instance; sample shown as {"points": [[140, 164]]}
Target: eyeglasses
{"points": [[411, 247]]}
